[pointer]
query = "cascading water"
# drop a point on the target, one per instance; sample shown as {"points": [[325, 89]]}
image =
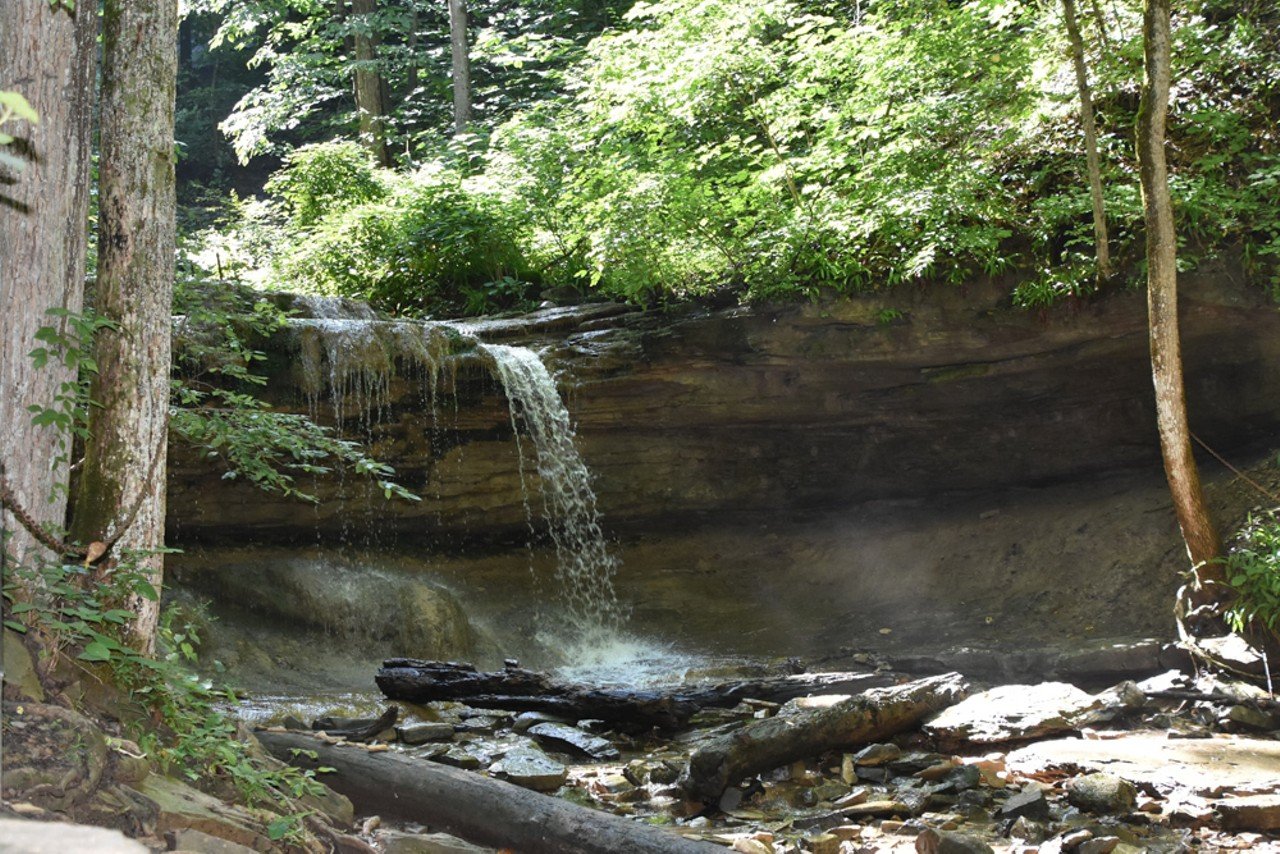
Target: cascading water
{"points": [[584, 566]]}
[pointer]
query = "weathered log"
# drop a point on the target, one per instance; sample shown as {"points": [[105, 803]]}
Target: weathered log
{"points": [[769, 743], [476, 808], [516, 689]]}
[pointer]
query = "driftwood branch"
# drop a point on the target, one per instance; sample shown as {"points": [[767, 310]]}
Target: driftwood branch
{"points": [[473, 807], [769, 743]]}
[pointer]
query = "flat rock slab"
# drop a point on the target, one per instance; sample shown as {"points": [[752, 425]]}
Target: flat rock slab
{"points": [[1202, 766], [19, 836], [531, 769], [561, 737], [1013, 713]]}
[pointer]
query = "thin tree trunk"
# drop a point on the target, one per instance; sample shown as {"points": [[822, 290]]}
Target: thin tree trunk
{"points": [[1090, 141], [371, 101], [1100, 20], [123, 482], [461, 65], [1198, 531], [47, 54]]}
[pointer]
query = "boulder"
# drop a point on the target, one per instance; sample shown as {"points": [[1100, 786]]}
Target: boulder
{"points": [[1101, 793], [21, 836]]}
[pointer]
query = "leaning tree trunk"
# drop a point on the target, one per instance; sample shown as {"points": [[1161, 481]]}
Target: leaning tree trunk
{"points": [[47, 54], [371, 92], [122, 487], [1100, 238], [1198, 531], [461, 65]]}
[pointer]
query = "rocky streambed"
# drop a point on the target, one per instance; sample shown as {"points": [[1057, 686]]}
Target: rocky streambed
{"points": [[1171, 763]]}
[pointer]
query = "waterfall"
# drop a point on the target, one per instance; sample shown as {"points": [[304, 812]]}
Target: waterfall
{"points": [[584, 566]]}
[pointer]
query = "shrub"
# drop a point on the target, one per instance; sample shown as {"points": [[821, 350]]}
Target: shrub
{"points": [[1253, 569], [429, 247], [325, 178]]}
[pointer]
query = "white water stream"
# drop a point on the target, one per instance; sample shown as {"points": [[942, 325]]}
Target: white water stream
{"points": [[584, 566]]}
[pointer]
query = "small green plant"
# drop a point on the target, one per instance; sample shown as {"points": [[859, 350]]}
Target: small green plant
{"points": [[70, 343], [1253, 570], [77, 613]]}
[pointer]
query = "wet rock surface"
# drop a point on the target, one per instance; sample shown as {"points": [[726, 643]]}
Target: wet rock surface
{"points": [[1159, 791]]}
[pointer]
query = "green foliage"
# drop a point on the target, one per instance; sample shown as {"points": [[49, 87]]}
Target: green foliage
{"points": [[780, 148], [325, 178], [432, 245], [78, 612], [519, 56], [1253, 570], [215, 411]]}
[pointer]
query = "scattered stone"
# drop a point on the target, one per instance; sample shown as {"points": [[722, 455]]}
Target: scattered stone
{"points": [[459, 757], [531, 769], [561, 737], [824, 843], [1251, 812], [1075, 838], [876, 809], [196, 842], [959, 779], [748, 845], [664, 774], [1250, 717], [20, 679], [877, 754], [423, 733], [292, 723], [396, 842], [1103, 794], [932, 841], [1028, 830], [524, 720], [873, 774], [1029, 802], [478, 723], [1099, 845]]}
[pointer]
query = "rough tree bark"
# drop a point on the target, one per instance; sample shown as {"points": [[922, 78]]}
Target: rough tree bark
{"points": [[461, 65], [371, 91], [123, 481], [1090, 140], [1197, 528], [47, 54]]}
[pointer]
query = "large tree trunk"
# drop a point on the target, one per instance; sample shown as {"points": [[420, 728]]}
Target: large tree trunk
{"points": [[371, 92], [122, 487], [461, 65], [1198, 531], [47, 54], [1090, 140], [474, 807]]}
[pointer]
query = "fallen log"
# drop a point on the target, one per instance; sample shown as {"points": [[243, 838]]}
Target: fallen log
{"points": [[517, 689], [771, 742], [476, 808]]}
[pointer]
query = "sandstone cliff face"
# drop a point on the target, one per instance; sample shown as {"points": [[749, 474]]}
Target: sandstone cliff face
{"points": [[701, 416]]}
